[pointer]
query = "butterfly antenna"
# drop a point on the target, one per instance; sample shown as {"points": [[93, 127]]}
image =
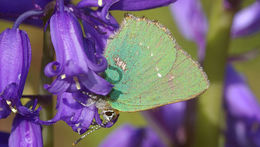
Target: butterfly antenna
{"points": [[92, 129]]}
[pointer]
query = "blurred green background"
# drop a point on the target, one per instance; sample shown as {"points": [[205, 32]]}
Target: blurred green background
{"points": [[64, 136]]}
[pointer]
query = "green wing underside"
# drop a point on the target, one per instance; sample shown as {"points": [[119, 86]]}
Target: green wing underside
{"points": [[147, 70]]}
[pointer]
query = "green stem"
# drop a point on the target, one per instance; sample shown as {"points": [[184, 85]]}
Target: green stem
{"points": [[208, 125], [47, 111]]}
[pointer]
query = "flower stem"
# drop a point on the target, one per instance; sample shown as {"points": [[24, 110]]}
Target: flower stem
{"points": [[47, 111], [24, 16], [60, 5], [210, 118]]}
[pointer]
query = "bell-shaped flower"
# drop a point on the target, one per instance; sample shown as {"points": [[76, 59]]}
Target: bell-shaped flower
{"points": [[192, 22], [247, 21], [77, 112], [129, 136], [25, 132], [97, 31], [70, 110], [173, 127], [74, 70], [15, 58], [243, 111]]}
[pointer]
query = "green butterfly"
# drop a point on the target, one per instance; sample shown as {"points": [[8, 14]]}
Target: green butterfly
{"points": [[148, 69]]}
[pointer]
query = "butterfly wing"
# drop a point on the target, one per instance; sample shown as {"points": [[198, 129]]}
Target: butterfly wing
{"points": [[148, 70]]}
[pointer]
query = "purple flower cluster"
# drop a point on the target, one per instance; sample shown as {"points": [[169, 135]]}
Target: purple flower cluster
{"points": [[78, 67]]}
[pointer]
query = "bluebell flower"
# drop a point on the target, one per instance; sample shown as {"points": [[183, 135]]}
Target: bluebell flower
{"points": [[129, 136], [15, 58], [242, 111], [25, 132], [192, 22], [173, 127], [247, 21], [74, 70], [77, 116]]}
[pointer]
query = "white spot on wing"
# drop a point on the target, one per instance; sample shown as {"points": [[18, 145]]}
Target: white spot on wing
{"points": [[159, 75]]}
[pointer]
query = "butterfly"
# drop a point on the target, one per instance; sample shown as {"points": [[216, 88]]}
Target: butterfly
{"points": [[148, 69]]}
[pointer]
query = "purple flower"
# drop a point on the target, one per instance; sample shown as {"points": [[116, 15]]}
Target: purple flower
{"points": [[97, 29], [74, 70], [192, 22], [77, 116], [243, 111], [25, 132], [247, 21], [15, 58], [174, 127], [129, 136]]}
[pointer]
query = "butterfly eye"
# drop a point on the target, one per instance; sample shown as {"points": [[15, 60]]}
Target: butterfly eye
{"points": [[109, 115]]}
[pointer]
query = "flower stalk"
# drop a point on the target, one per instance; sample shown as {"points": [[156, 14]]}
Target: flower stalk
{"points": [[208, 125], [47, 111]]}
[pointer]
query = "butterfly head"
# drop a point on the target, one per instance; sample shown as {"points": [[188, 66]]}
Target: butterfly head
{"points": [[110, 115]]}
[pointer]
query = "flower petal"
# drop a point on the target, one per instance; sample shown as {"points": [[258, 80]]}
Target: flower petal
{"points": [[25, 133], [67, 39], [239, 99], [192, 22], [49, 70], [77, 116], [247, 21], [134, 5], [95, 83], [59, 85], [15, 59], [128, 136], [243, 111], [172, 126], [98, 29]]}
